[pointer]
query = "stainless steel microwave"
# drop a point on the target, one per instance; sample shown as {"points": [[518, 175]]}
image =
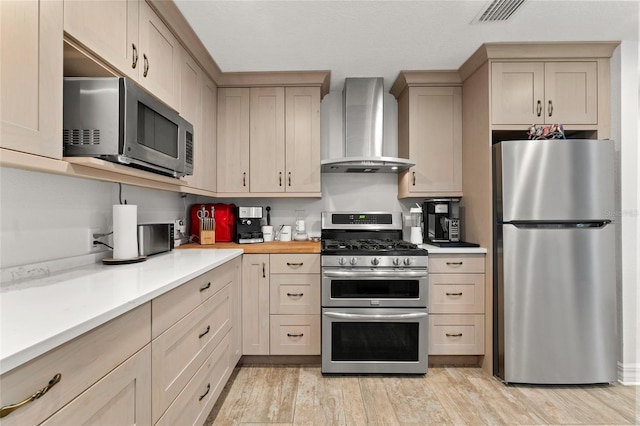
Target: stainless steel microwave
{"points": [[115, 119]]}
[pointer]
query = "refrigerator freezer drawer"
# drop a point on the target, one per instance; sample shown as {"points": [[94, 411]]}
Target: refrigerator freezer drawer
{"points": [[558, 290]]}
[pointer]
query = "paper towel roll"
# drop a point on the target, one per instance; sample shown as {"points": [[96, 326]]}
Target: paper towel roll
{"points": [[125, 231]]}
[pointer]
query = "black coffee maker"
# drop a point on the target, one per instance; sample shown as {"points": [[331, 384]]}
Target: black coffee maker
{"points": [[248, 227], [441, 218]]}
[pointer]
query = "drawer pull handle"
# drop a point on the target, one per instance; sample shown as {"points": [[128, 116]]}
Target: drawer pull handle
{"points": [[207, 286], [454, 263], [244, 178], [539, 108], [8, 409], [134, 56], [550, 108], [145, 72], [280, 178], [295, 335], [263, 273], [205, 394], [453, 335], [295, 264], [295, 294], [289, 178], [414, 178], [200, 336], [454, 294]]}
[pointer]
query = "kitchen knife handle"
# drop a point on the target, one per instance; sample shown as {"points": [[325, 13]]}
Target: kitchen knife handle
{"points": [[550, 108], [263, 273], [8, 409], [146, 65], [244, 178], [539, 108], [205, 287], [205, 394], [414, 178], [453, 335], [204, 333], [295, 335], [134, 56], [280, 178], [295, 294], [289, 178], [454, 294]]}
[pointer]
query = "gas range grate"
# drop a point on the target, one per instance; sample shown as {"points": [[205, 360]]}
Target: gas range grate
{"points": [[373, 245]]}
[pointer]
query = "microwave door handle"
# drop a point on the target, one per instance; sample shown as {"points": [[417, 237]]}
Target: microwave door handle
{"points": [[341, 315]]}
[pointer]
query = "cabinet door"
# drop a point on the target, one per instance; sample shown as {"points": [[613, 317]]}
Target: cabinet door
{"points": [[122, 397], [303, 139], [108, 28], [31, 77], [255, 304], [160, 53], [435, 140], [266, 156], [517, 92], [233, 140], [571, 92]]}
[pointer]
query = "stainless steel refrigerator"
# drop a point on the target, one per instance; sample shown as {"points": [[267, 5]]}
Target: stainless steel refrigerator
{"points": [[554, 262]]}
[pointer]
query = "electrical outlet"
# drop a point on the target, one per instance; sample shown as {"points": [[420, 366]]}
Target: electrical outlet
{"points": [[90, 239]]}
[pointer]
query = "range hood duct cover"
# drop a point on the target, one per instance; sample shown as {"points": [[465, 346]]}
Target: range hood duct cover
{"points": [[363, 116]]}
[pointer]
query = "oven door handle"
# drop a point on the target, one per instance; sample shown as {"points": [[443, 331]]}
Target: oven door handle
{"points": [[412, 315], [376, 274]]}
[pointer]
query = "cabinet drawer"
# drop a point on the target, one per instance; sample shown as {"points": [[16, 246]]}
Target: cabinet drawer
{"points": [[170, 307], [122, 397], [295, 334], [456, 293], [295, 294], [81, 362], [456, 334], [195, 402], [460, 264], [180, 351], [295, 263]]}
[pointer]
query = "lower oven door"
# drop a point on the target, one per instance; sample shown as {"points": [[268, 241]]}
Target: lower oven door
{"points": [[374, 340]]}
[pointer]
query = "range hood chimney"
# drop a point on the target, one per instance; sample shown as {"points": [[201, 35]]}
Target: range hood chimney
{"points": [[363, 109]]}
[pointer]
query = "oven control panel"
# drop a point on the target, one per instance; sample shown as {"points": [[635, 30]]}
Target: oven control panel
{"points": [[376, 261]]}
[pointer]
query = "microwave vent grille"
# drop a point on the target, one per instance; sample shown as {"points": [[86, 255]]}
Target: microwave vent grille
{"points": [[189, 159], [81, 136]]}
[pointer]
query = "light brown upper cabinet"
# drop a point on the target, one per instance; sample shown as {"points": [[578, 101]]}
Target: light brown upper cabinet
{"points": [[277, 129], [132, 38], [430, 134], [31, 77], [544, 92]]}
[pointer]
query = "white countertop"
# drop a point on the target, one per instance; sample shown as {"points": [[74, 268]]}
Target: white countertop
{"points": [[453, 250], [41, 314]]}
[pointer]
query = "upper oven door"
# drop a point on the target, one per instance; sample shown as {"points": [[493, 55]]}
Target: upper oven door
{"points": [[368, 287]]}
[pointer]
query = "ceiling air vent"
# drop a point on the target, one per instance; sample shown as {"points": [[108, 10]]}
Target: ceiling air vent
{"points": [[499, 10]]}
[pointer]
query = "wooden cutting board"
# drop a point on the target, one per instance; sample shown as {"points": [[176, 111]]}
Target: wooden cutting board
{"points": [[270, 247]]}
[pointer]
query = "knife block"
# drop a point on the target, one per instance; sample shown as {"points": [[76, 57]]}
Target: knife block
{"points": [[207, 232]]}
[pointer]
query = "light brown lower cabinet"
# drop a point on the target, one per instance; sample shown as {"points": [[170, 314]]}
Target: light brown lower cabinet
{"points": [[116, 374], [281, 304], [456, 304]]}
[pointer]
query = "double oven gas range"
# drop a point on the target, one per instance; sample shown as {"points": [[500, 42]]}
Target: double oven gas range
{"points": [[374, 296]]}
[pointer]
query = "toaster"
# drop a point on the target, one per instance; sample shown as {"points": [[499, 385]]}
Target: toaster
{"points": [[154, 238]]}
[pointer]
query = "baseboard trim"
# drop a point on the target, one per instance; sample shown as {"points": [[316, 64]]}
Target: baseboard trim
{"points": [[629, 374]]}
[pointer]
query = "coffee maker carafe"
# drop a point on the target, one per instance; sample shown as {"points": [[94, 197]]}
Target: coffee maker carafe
{"points": [[441, 220], [248, 227]]}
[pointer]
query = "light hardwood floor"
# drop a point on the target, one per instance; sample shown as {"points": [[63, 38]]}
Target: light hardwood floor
{"points": [[301, 395]]}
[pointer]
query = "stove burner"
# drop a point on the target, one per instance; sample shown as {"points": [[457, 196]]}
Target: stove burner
{"points": [[367, 245]]}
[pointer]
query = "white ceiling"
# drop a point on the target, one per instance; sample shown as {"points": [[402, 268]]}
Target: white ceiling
{"points": [[354, 38]]}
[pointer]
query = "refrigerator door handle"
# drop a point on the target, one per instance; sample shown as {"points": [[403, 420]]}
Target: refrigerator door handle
{"points": [[557, 225]]}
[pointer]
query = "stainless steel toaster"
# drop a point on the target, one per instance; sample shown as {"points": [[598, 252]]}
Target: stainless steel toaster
{"points": [[154, 238]]}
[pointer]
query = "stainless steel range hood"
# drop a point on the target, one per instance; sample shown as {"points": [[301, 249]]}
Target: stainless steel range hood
{"points": [[363, 109]]}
